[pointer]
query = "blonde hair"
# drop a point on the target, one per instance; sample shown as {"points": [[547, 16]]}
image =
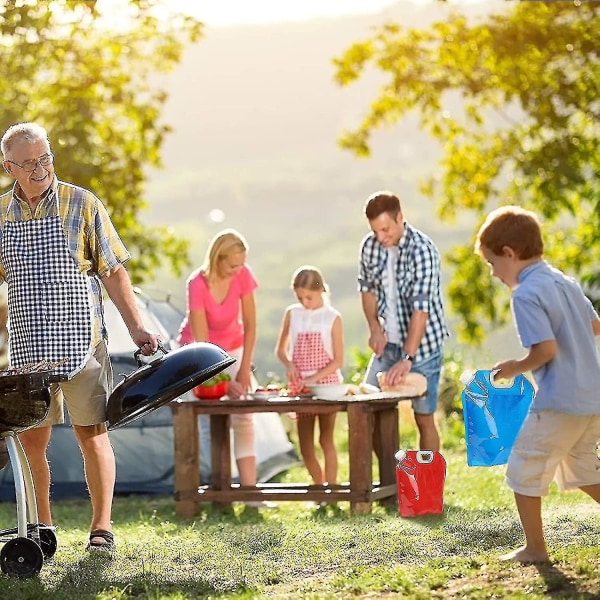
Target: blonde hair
{"points": [[309, 278], [224, 244], [511, 226]]}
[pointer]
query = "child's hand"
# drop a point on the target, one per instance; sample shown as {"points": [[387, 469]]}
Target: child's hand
{"points": [[293, 375], [506, 369]]}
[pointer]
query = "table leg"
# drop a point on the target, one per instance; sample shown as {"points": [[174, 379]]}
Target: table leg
{"points": [[187, 458], [360, 454], [387, 430], [221, 452]]}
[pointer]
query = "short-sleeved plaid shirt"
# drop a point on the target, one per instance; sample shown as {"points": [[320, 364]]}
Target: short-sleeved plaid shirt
{"points": [[418, 277], [93, 241]]}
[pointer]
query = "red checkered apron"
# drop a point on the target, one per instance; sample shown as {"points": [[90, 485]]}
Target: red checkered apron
{"points": [[309, 355]]}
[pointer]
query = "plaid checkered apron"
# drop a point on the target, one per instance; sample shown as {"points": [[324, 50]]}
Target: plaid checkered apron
{"points": [[48, 297], [309, 353]]}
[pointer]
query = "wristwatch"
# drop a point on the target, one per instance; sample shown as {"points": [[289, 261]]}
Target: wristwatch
{"points": [[407, 356]]}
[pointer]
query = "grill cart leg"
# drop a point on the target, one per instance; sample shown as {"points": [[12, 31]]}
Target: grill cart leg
{"points": [[24, 488], [22, 556]]}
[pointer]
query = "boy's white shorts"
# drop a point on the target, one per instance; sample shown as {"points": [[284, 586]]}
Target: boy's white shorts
{"points": [[554, 446]]}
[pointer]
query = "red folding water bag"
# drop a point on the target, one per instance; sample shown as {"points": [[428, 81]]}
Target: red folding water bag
{"points": [[420, 475]]}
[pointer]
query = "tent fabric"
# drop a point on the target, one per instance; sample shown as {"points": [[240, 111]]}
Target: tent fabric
{"points": [[145, 457], [144, 449]]}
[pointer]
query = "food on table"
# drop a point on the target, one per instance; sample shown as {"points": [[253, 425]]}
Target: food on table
{"points": [[213, 388], [269, 391], [413, 384]]}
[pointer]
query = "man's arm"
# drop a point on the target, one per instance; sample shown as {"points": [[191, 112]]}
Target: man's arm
{"points": [[120, 291], [416, 330], [377, 338]]}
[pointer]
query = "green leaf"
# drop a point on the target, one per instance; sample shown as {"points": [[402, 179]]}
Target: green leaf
{"points": [[513, 101], [94, 88]]}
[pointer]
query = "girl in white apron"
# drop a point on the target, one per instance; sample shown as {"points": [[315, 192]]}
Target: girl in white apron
{"points": [[311, 347]]}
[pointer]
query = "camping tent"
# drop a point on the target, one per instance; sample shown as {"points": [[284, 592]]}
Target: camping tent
{"points": [[144, 448]]}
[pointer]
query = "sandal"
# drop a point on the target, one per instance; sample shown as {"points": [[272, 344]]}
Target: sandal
{"points": [[107, 545]]}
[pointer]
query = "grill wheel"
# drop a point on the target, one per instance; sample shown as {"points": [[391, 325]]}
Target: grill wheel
{"points": [[21, 558]]}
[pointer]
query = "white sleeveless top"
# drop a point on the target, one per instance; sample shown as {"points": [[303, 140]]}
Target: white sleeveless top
{"points": [[320, 321]]}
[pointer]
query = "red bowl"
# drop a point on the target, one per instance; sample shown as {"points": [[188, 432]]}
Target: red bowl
{"points": [[211, 392]]}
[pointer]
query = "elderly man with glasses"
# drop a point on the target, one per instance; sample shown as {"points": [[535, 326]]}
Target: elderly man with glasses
{"points": [[57, 243]]}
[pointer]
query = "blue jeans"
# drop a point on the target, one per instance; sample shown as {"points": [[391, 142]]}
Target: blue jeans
{"points": [[430, 368]]}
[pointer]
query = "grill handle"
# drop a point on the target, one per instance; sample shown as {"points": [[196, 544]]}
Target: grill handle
{"points": [[138, 353]]}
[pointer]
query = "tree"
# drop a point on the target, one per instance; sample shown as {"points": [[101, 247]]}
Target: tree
{"points": [[515, 104], [95, 87]]}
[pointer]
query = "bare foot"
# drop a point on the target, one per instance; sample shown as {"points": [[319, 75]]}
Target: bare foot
{"points": [[523, 555]]}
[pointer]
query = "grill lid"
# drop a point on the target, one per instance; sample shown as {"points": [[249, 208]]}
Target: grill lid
{"points": [[164, 379]]}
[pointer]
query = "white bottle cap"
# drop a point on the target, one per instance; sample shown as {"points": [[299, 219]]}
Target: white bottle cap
{"points": [[466, 376]]}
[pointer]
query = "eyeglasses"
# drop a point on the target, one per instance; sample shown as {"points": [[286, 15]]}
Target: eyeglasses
{"points": [[31, 164]]}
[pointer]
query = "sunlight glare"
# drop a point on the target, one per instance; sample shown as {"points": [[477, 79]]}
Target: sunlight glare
{"points": [[216, 215], [236, 12]]}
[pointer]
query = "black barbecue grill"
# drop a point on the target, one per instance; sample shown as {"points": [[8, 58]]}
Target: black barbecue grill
{"points": [[24, 403], [24, 398], [163, 379]]}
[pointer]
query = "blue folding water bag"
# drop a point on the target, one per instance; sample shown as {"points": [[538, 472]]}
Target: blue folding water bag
{"points": [[494, 413]]}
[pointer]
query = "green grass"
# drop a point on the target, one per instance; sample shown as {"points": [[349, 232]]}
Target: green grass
{"points": [[298, 551]]}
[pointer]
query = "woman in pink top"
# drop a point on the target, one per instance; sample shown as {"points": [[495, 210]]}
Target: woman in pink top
{"points": [[221, 310]]}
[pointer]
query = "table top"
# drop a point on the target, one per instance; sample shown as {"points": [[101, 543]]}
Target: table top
{"points": [[293, 402]]}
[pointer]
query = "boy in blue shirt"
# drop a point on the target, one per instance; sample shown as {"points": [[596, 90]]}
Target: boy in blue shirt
{"points": [[556, 323]]}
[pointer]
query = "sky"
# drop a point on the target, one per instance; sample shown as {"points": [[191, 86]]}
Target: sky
{"points": [[220, 13], [231, 12]]}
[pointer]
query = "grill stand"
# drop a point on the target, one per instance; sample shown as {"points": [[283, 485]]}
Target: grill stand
{"points": [[144, 390], [23, 556]]}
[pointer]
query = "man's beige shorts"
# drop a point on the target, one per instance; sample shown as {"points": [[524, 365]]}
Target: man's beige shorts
{"points": [[85, 395], [554, 446]]}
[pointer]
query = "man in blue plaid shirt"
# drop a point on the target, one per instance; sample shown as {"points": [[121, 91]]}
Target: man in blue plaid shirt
{"points": [[400, 285]]}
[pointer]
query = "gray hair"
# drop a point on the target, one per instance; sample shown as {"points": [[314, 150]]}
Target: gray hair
{"points": [[32, 132]]}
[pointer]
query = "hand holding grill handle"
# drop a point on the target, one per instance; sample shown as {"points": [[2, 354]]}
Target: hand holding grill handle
{"points": [[138, 353]]}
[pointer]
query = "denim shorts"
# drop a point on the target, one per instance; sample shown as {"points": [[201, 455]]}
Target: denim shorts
{"points": [[430, 368]]}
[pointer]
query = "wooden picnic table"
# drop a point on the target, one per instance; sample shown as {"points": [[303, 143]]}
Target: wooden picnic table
{"points": [[377, 413]]}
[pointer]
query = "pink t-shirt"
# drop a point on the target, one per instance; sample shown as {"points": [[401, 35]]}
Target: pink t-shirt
{"points": [[224, 319]]}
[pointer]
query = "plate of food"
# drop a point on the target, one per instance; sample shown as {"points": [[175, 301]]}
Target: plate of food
{"points": [[305, 392], [266, 392]]}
